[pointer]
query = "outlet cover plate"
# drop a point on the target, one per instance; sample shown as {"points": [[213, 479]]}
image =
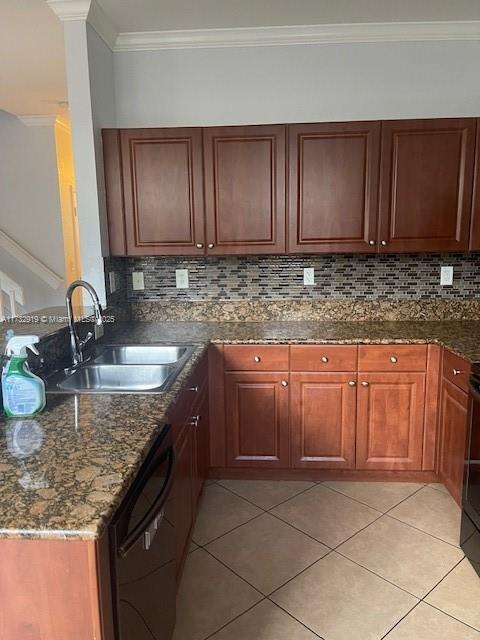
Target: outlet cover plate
{"points": [[446, 276], [112, 281], [138, 283], [181, 278], [309, 277]]}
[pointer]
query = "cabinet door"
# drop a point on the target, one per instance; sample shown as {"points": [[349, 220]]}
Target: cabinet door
{"points": [[245, 189], [257, 419], [163, 188], [323, 411], [390, 421], [453, 430], [426, 184], [183, 494], [475, 227], [333, 187], [201, 444]]}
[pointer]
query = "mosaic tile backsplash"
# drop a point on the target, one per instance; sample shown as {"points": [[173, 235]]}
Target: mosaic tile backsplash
{"points": [[358, 277]]}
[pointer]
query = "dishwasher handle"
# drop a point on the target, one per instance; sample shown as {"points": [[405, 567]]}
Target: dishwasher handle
{"points": [[154, 514]]}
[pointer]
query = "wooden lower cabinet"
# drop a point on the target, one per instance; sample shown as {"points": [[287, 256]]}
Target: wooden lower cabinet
{"points": [[184, 494], [257, 419], [322, 422], [390, 421], [453, 429]]}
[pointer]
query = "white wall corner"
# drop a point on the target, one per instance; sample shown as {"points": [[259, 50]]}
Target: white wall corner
{"points": [[89, 11]]}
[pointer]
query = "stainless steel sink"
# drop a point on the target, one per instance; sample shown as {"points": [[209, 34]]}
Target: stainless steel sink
{"points": [[142, 354], [110, 378], [123, 369]]}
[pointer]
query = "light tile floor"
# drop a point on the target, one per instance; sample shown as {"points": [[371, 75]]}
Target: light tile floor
{"points": [[334, 560]]}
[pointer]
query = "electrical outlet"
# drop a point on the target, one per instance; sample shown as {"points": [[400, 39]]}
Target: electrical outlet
{"points": [[112, 279], [446, 276], [309, 277], [138, 283], [181, 278]]}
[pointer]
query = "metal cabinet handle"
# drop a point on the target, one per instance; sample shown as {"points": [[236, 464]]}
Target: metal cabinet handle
{"points": [[456, 372], [371, 242], [257, 359], [210, 245], [284, 383], [194, 421], [199, 245], [194, 389], [393, 359], [352, 383], [365, 384], [383, 243], [324, 359]]}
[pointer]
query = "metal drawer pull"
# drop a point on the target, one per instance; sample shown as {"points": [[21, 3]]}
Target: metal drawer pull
{"points": [[195, 389], [158, 520], [352, 383], [324, 359], [365, 384], [371, 242], [210, 245], [257, 359], [383, 243], [194, 421], [284, 383], [393, 359], [456, 372], [199, 245]]}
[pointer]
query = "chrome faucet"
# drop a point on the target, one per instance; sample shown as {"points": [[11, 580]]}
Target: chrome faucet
{"points": [[76, 344]]}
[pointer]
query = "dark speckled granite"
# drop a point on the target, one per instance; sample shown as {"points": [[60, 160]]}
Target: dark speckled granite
{"points": [[72, 467]]}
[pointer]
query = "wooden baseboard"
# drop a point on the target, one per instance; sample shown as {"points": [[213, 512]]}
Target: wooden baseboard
{"points": [[315, 475]]}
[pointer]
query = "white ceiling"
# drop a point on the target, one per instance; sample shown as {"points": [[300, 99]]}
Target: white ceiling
{"points": [[159, 15], [32, 67]]}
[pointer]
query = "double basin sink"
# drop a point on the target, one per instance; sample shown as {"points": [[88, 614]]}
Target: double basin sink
{"points": [[123, 369]]}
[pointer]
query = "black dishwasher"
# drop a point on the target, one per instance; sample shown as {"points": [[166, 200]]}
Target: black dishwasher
{"points": [[142, 547]]}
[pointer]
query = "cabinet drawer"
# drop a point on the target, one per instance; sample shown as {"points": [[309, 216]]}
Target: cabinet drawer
{"points": [[259, 357], [323, 358], [392, 357], [456, 369]]}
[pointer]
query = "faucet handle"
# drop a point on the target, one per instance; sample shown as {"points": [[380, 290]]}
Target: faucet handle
{"points": [[88, 337]]}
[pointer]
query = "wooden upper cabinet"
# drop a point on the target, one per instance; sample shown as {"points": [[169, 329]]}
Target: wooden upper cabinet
{"points": [[390, 421], [245, 189], [333, 187], [163, 191], [426, 184], [475, 227]]}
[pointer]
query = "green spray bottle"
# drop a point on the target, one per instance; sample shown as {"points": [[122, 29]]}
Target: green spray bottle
{"points": [[23, 392]]}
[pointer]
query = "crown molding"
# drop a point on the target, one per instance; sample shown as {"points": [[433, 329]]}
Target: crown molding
{"points": [[291, 35], [67, 10], [38, 121], [89, 11]]}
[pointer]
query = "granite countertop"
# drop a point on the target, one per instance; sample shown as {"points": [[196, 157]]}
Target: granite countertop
{"points": [[64, 472]]}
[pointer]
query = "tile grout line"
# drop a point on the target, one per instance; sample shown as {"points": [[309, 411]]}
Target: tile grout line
{"points": [[235, 618], [451, 544], [399, 621], [202, 546], [365, 504], [275, 505], [294, 618]]}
